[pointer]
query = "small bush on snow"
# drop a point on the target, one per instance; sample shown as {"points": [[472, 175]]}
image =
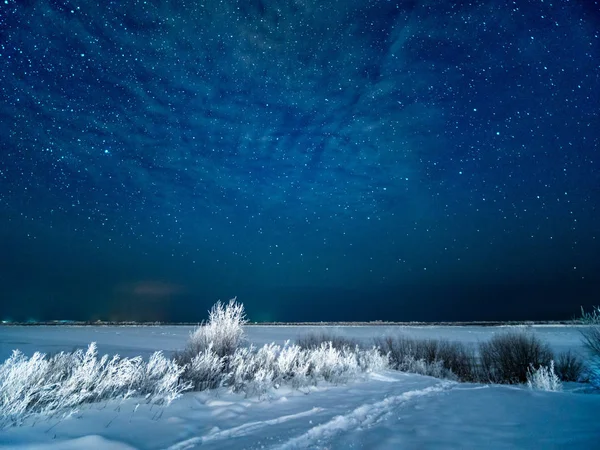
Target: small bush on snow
{"points": [[569, 367], [591, 333], [591, 339], [372, 360], [331, 364], [67, 380], [544, 378], [223, 332], [293, 365], [506, 358]]}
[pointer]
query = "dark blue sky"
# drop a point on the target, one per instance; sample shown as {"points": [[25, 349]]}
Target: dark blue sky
{"points": [[321, 160]]}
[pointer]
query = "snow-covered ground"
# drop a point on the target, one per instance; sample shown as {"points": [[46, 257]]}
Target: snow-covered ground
{"points": [[388, 410]]}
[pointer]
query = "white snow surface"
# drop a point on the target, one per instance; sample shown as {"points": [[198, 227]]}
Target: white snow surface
{"points": [[387, 410]]}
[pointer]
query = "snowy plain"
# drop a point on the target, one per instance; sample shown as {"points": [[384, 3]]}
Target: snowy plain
{"points": [[387, 410]]}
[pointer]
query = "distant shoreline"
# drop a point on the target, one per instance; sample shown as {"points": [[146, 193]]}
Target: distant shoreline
{"points": [[297, 324]]}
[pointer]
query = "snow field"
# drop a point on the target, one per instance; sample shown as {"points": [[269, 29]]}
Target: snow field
{"points": [[279, 396], [387, 410]]}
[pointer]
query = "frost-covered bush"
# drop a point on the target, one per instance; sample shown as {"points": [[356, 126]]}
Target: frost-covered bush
{"points": [[506, 358], [591, 333], [331, 364], [253, 371], [591, 339], [293, 365], [543, 378], [62, 382], [224, 331], [438, 358], [372, 360], [205, 370]]}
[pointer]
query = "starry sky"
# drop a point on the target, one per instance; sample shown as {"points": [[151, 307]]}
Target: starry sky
{"points": [[321, 160]]}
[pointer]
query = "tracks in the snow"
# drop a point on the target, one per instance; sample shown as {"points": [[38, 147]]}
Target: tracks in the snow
{"points": [[362, 417], [239, 431]]}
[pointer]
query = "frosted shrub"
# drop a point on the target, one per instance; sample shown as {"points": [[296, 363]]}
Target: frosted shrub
{"points": [[419, 366], [293, 365], [411, 365], [242, 367], [543, 378], [163, 375], [289, 357], [253, 371], [224, 330], [372, 360], [21, 384], [591, 339], [261, 382], [66, 380], [267, 355], [332, 364], [205, 370], [591, 333]]}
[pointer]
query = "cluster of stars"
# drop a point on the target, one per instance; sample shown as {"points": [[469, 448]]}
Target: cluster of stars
{"points": [[367, 141]]}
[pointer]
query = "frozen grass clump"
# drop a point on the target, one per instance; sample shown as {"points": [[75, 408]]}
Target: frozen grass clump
{"points": [[543, 378], [61, 383]]}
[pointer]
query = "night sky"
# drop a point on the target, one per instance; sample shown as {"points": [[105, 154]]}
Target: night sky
{"points": [[320, 159]]}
